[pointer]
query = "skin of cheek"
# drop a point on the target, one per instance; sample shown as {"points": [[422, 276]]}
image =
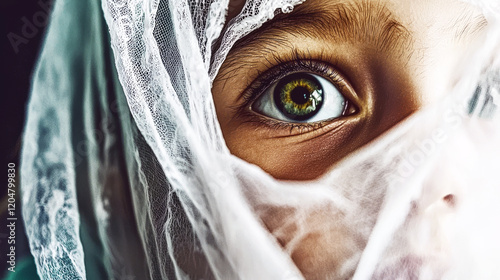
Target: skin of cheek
{"points": [[288, 159], [318, 240]]}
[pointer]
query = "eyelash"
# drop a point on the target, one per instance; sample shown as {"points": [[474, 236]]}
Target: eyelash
{"points": [[297, 62]]}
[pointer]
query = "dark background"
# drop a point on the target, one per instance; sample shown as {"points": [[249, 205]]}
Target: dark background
{"points": [[16, 72]]}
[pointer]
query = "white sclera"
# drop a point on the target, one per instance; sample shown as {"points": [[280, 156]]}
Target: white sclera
{"points": [[333, 103]]}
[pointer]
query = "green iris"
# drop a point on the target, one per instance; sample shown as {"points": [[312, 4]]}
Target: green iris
{"points": [[299, 96]]}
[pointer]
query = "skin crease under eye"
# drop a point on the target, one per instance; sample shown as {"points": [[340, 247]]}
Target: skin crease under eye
{"points": [[386, 81]]}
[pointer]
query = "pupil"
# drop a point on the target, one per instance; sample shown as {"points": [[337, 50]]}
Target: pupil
{"points": [[300, 95]]}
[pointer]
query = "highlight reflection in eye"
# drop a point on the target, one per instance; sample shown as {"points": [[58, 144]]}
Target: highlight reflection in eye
{"points": [[301, 97]]}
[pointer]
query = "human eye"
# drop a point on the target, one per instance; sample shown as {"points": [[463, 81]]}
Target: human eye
{"points": [[301, 97], [301, 93]]}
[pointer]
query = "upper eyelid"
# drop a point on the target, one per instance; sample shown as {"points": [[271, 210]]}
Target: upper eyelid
{"points": [[268, 77]]}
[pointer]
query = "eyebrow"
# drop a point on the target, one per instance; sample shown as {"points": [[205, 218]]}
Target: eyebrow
{"points": [[356, 22], [474, 25], [343, 21]]}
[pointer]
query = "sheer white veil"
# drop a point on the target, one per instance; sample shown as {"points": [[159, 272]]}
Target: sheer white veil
{"points": [[125, 172]]}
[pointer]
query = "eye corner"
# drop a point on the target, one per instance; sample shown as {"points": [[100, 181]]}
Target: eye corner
{"points": [[350, 109]]}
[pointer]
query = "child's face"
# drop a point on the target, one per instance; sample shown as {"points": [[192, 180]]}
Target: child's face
{"points": [[310, 87], [359, 68]]}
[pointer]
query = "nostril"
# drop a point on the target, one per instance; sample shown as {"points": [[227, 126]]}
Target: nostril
{"points": [[450, 199]]}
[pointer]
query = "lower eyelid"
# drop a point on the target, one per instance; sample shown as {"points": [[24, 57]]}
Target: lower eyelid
{"points": [[277, 129]]}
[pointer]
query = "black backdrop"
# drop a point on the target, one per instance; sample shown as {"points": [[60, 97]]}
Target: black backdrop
{"points": [[22, 24]]}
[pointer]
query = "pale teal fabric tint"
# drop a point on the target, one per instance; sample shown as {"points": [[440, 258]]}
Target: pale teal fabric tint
{"points": [[72, 124]]}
